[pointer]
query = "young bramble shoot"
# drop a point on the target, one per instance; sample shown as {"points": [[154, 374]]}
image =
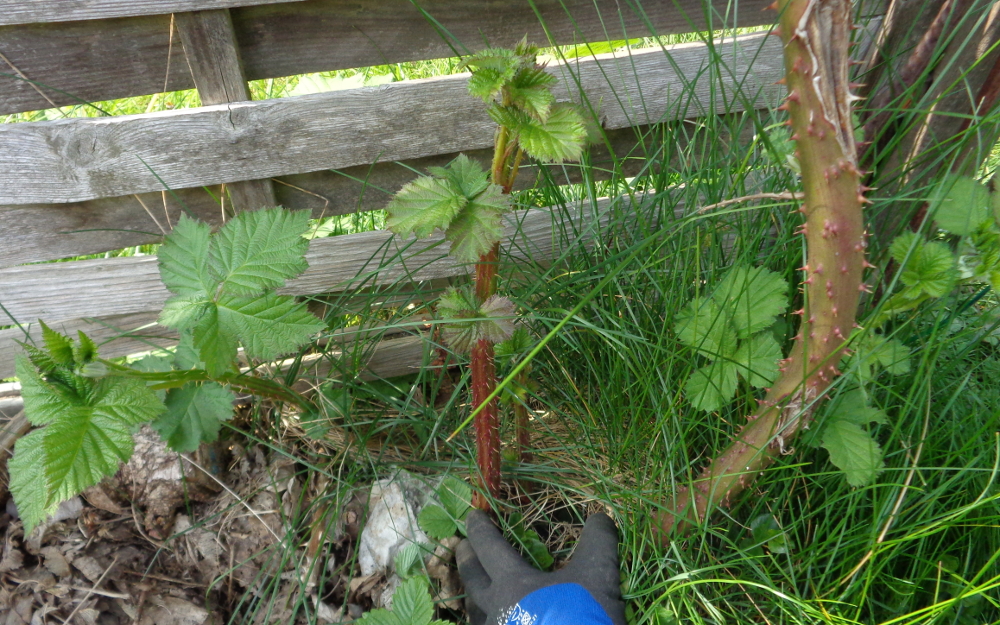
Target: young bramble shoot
{"points": [[468, 205], [223, 298]]}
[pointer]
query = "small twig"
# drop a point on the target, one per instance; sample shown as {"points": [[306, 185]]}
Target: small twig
{"points": [[150, 213], [163, 578], [69, 619], [103, 593], [170, 49], [787, 195]]}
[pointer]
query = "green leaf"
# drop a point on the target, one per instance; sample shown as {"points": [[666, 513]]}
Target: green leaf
{"points": [[411, 603], [712, 386], [853, 451], [194, 414], [436, 522], [267, 326], [852, 407], [183, 258], [753, 297], [467, 175], [85, 350], [529, 91], [59, 346], [963, 206], [928, 267], [758, 359], [86, 444], [487, 82], [28, 484], [183, 311], [43, 402], [510, 117], [381, 616], [479, 227], [703, 325], [892, 355], [518, 344], [532, 546], [186, 355], [422, 206], [216, 344], [456, 497], [559, 138], [258, 250], [497, 323]]}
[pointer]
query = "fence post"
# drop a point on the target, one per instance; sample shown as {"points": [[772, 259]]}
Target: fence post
{"points": [[214, 58]]}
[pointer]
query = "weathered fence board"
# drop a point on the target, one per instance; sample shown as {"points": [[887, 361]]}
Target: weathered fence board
{"points": [[89, 61], [38, 11], [120, 286], [34, 233], [214, 58], [81, 159]]}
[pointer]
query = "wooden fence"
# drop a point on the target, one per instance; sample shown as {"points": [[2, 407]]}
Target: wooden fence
{"points": [[80, 186]]}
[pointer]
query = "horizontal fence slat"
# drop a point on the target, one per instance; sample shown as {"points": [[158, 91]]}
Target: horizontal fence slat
{"points": [[122, 286], [38, 11], [90, 61], [82, 159], [35, 233]]}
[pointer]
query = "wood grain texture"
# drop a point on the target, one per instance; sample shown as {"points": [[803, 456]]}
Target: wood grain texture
{"points": [[34, 233], [130, 286], [213, 56], [39, 11], [75, 160], [89, 61]]}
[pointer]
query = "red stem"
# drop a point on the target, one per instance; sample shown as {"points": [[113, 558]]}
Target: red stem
{"points": [[484, 381]]}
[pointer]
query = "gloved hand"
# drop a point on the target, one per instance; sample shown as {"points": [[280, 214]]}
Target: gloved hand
{"points": [[502, 589]]}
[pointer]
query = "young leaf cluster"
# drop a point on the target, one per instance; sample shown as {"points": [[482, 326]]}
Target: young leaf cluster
{"points": [[84, 421], [458, 199], [411, 605], [728, 328], [492, 320], [529, 541], [519, 93], [223, 286], [440, 522]]}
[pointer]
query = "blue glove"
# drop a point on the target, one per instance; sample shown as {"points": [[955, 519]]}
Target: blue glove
{"points": [[502, 589]]}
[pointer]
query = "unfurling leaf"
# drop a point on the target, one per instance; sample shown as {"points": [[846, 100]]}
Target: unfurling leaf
{"points": [[422, 206], [712, 386], [194, 414], [561, 137], [479, 227], [466, 324]]}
